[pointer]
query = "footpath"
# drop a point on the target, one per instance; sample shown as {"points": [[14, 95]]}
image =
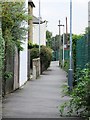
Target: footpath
{"points": [[38, 98]]}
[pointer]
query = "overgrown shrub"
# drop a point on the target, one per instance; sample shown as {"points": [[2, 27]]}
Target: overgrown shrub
{"points": [[30, 45], [80, 102], [45, 56], [66, 65], [34, 53]]}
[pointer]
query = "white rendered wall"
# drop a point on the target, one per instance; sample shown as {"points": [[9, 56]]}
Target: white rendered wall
{"points": [[23, 58], [42, 34]]}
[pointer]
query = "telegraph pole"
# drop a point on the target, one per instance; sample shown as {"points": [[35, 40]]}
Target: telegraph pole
{"points": [[63, 45], [59, 40]]}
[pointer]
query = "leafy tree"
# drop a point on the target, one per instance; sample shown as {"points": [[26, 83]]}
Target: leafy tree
{"points": [[55, 43], [49, 38], [13, 29], [87, 30], [13, 20]]}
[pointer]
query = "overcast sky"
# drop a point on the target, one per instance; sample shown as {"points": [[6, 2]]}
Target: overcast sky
{"points": [[53, 10]]}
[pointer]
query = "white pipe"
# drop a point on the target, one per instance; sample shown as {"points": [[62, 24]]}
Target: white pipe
{"points": [[39, 26]]}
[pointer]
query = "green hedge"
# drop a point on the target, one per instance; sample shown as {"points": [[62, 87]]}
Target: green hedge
{"points": [[34, 53], [79, 104], [45, 56]]}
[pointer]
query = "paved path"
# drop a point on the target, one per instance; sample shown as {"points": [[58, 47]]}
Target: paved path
{"points": [[38, 98], [0, 108]]}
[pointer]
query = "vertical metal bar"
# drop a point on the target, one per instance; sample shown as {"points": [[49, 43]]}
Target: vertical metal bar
{"points": [[39, 27], [63, 45], [70, 34], [70, 74]]}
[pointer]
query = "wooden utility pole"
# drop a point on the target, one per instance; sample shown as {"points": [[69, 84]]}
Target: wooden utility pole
{"points": [[59, 41], [66, 33]]}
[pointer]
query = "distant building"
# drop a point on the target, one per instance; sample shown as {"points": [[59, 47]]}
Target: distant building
{"points": [[89, 13], [31, 5], [33, 24], [43, 25]]}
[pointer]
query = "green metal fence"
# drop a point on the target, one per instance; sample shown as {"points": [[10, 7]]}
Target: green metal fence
{"points": [[61, 54], [82, 52], [55, 55], [66, 54], [89, 47]]}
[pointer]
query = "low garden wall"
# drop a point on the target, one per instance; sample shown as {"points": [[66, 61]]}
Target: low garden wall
{"points": [[36, 68]]}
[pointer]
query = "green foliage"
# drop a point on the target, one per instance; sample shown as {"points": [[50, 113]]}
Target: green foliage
{"points": [[13, 23], [8, 75], [75, 38], [1, 52], [9, 44], [66, 65], [14, 18], [80, 102], [45, 56], [18, 43], [74, 42], [49, 38], [34, 53], [87, 30], [30, 46], [55, 43]]}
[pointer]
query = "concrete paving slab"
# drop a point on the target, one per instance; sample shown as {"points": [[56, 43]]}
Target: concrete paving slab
{"points": [[0, 107]]}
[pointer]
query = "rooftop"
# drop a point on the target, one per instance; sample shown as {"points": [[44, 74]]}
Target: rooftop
{"points": [[30, 2], [36, 20]]}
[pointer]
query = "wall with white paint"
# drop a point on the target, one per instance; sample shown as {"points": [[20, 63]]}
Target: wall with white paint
{"points": [[42, 34], [24, 57]]}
